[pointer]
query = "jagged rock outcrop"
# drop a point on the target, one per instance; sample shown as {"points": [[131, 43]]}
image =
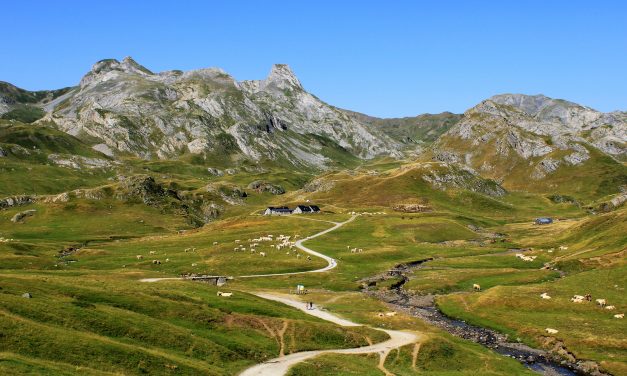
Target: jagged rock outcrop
{"points": [[9, 202], [206, 111], [264, 186]]}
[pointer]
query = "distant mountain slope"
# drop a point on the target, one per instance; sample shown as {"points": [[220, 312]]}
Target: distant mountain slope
{"points": [[206, 112], [24, 105], [423, 128], [539, 143]]}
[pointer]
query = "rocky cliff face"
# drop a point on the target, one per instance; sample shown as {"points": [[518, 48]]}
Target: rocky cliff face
{"points": [[520, 139], [132, 110]]}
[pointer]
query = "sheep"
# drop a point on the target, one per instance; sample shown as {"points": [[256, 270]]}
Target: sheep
{"points": [[360, 250], [619, 316], [575, 300], [139, 257], [610, 307], [476, 287], [544, 295], [579, 297], [194, 264], [167, 260], [152, 252], [262, 254], [390, 314], [601, 302], [551, 330], [156, 262], [237, 240], [215, 243], [224, 294], [563, 248]]}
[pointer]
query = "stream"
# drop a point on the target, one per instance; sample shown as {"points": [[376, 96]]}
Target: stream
{"points": [[424, 307]]}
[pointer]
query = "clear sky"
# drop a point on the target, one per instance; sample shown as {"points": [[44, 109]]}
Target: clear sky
{"points": [[385, 58]]}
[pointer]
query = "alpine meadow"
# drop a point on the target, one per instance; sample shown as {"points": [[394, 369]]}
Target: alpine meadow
{"points": [[187, 222]]}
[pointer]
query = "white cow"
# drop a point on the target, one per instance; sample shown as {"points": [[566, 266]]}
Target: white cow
{"points": [[476, 287], [601, 302]]}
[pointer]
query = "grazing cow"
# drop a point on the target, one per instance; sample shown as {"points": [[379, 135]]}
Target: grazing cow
{"points": [[544, 295], [225, 294], [476, 287], [262, 254], [610, 307], [601, 302], [619, 316], [139, 257], [551, 330]]}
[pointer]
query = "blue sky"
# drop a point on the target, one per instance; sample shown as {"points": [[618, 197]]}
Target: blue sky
{"points": [[386, 58]]}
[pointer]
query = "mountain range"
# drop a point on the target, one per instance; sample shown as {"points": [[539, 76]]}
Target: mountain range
{"points": [[123, 110]]}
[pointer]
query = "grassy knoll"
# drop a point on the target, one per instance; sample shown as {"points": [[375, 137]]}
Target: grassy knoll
{"points": [[120, 326]]}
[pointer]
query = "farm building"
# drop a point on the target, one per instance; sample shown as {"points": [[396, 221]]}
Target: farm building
{"points": [[281, 210], [544, 221], [306, 209]]}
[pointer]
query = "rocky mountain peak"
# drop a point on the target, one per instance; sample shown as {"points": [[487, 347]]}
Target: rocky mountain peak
{"points": [[283, 78], [108, 68]]}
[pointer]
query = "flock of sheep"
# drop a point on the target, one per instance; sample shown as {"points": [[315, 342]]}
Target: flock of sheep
{"points": [[280, 242], [581, 299], [5, 240]]}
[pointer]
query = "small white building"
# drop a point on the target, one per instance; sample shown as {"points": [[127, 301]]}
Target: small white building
{"points": [[281, 210], [306, 209]]}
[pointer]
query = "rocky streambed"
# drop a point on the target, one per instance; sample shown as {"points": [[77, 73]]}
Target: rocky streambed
{"points": [[556, 362]]}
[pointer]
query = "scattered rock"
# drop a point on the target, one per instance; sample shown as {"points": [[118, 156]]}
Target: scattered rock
{"points": [[21, 215], [263, 186], [215, 172]]}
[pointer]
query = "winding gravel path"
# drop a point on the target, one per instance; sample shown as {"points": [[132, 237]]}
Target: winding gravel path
{"points": [[331, 263], [280, 366]]}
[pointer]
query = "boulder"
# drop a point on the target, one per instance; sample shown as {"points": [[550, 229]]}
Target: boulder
{"points": [[21, 215]]}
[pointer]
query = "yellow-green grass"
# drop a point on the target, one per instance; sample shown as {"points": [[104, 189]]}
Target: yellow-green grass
{"points": [[440, 355], [587, 330], [38, 239], [386, 240], [446, 280], [220, 259], [122, 326]]}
